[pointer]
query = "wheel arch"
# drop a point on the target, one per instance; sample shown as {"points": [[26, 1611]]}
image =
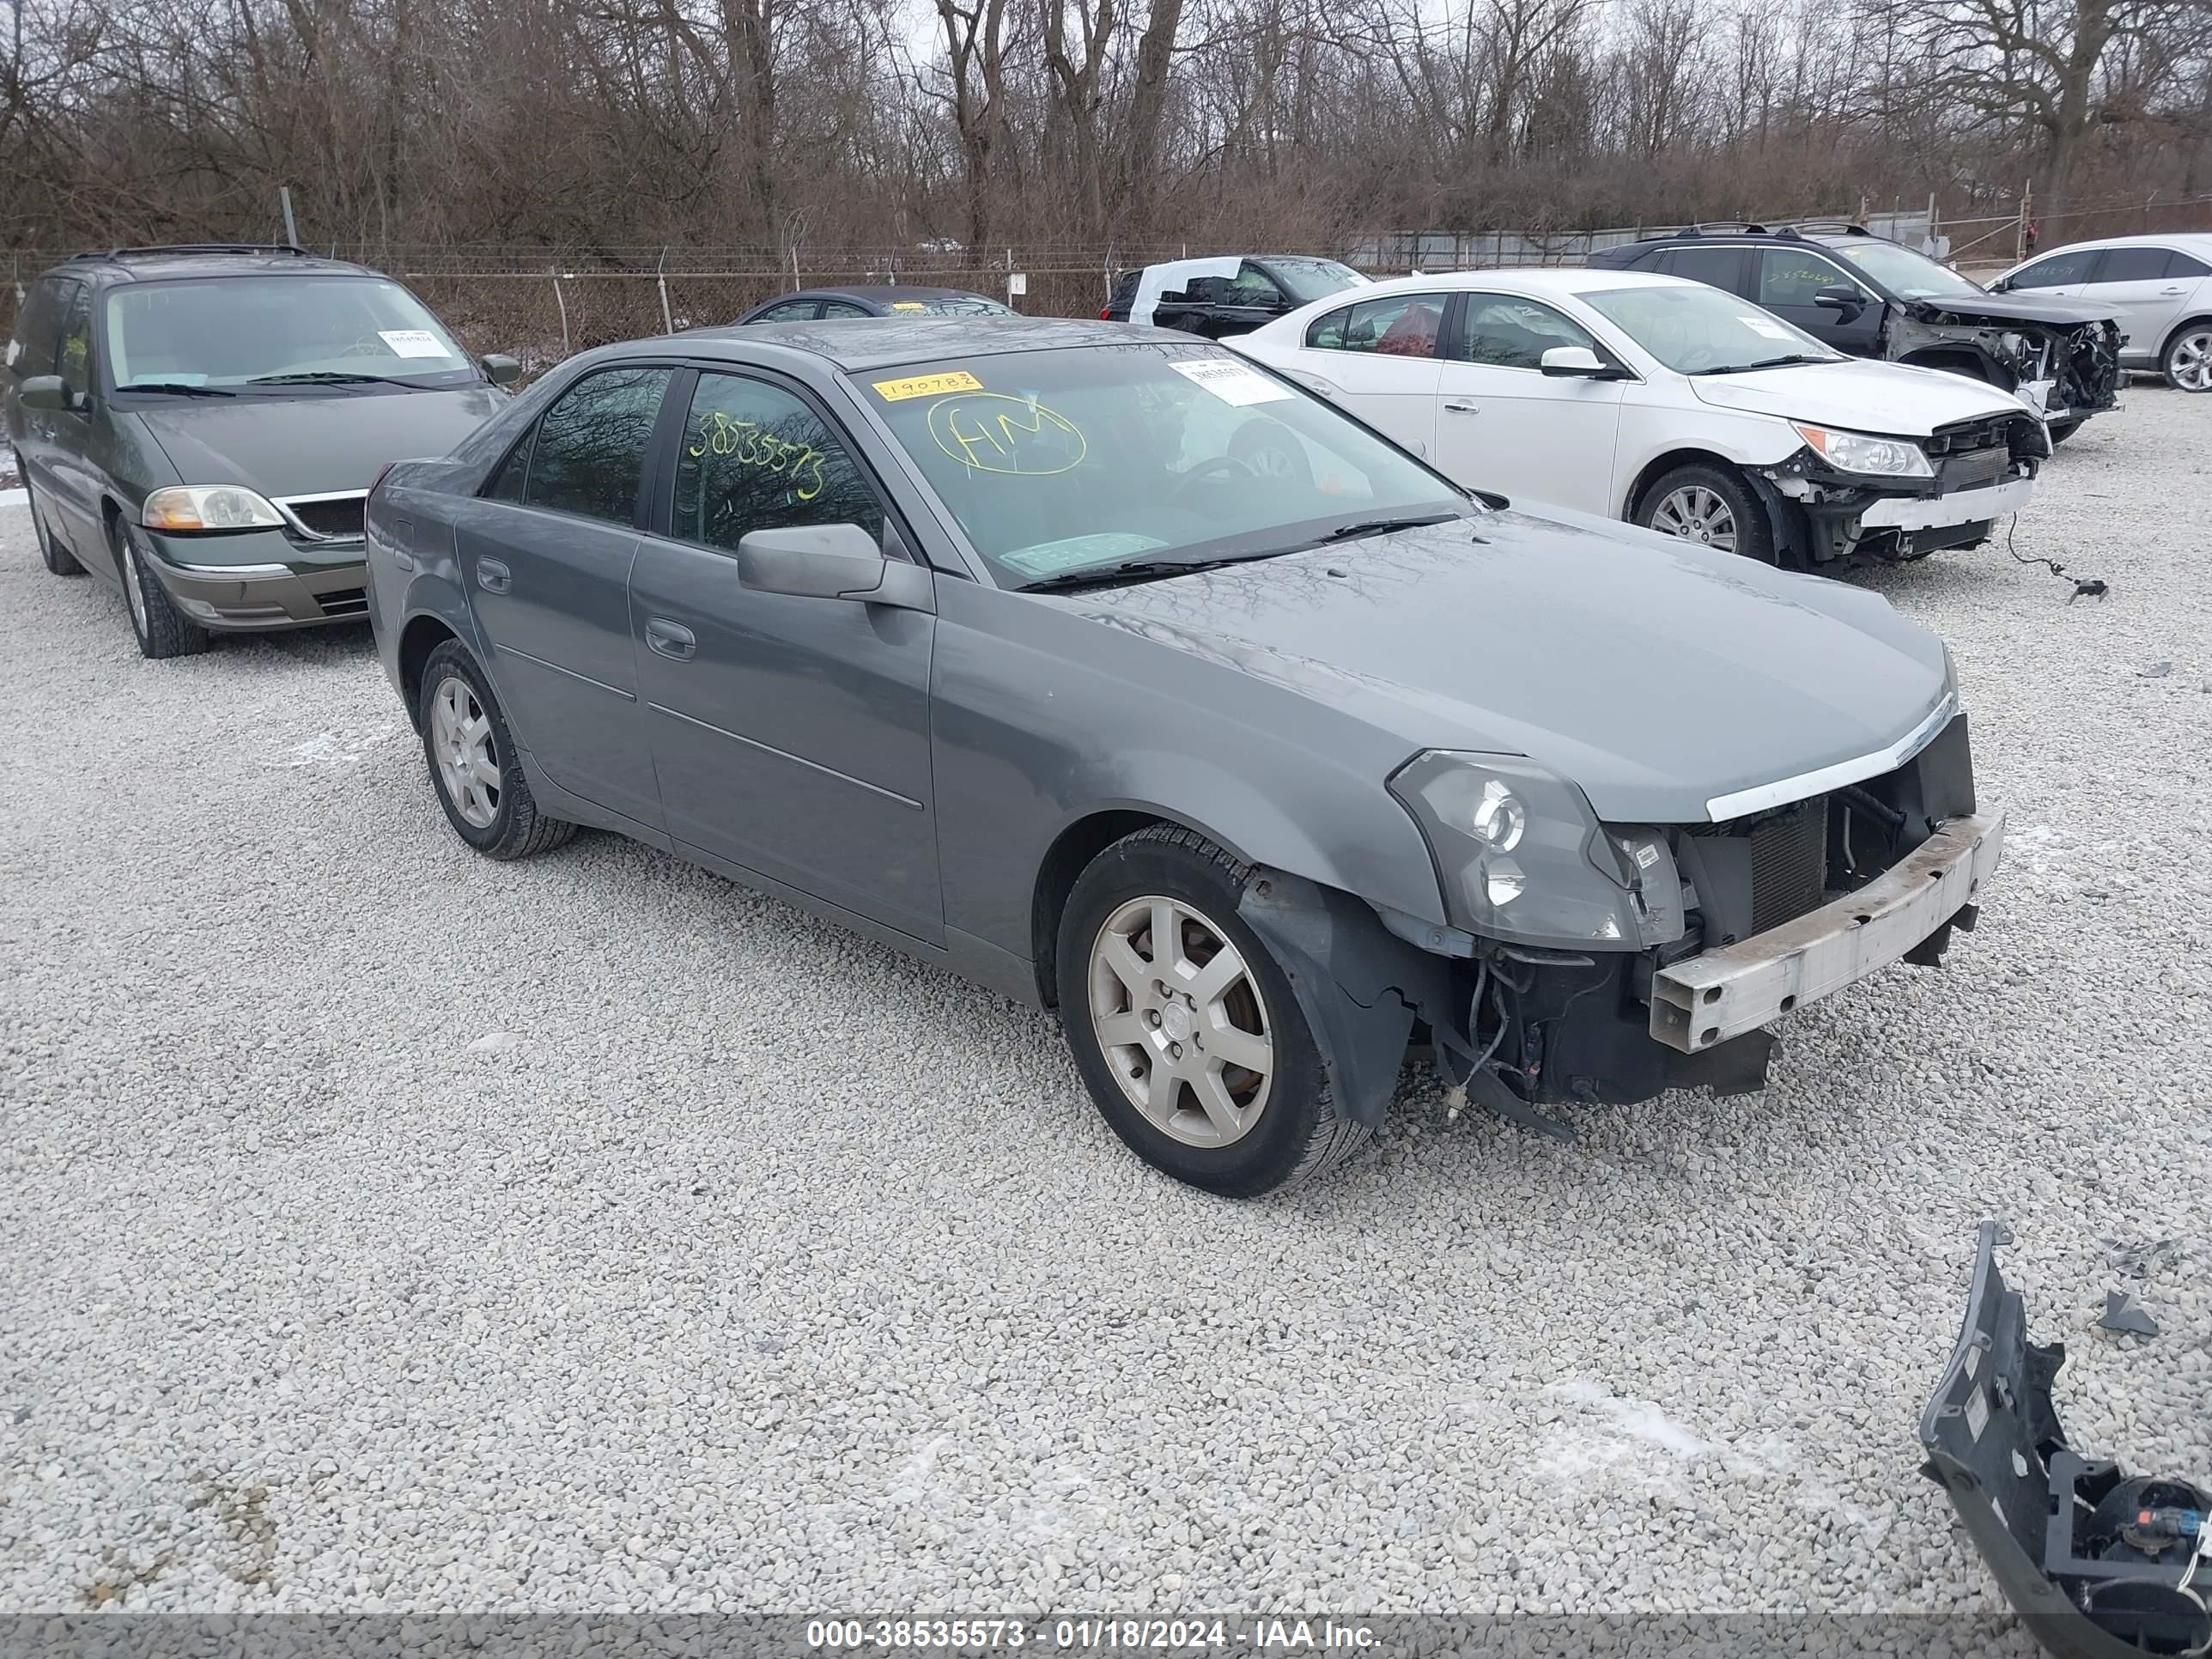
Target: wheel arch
{"points": [[2199, 319], [423, 634], [1070, 854], [1660, 465], [1962, 357]]}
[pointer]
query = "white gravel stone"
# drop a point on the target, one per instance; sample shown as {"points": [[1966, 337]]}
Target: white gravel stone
{"points": [[382, 1227]]}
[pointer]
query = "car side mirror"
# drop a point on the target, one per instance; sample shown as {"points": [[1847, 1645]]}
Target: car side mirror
{"points": [[831, 561], [2002, 285], [1576, 361], [43, 392], [1846, 300], [500, 369]]}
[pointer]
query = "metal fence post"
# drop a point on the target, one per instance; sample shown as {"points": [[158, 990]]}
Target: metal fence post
{"points": [[661, 276], [562, 301]]}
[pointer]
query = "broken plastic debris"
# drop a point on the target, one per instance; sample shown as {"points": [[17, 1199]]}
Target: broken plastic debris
{"points": [[2125, 1314], [2157, 671]]}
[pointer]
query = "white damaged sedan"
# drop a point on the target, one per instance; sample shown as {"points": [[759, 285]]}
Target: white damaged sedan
{"points": [[1670, 403]]}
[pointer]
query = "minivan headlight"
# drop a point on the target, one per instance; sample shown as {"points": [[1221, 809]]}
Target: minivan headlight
{"points": [[208, 507], [1524, 859], [1855, 451]]}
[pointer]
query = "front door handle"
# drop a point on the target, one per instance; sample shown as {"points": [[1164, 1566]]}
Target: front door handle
{"points": [[671, 639], [492, 576], [1463, 409]]}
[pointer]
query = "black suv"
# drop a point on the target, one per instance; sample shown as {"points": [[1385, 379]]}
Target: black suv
{"points": [[200, 426], [1225, 295], [1872, 297]]}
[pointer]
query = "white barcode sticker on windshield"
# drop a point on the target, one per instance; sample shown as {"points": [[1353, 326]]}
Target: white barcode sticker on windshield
{"points": [[1231, 381], [1771, 331], [412, 343]]}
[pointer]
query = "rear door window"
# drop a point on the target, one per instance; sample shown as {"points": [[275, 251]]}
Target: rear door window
{"points": [[1723, 267], [2133, 264], [589, 455], [791, 310], [1402, 326], [32, 350]]}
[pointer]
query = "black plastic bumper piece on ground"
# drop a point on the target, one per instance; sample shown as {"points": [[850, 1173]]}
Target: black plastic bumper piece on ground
{"points": [[2052, 1526]]}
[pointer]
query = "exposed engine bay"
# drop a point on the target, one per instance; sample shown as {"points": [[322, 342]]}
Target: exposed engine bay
{"points": [[2079, 362], [2099, 1564]]}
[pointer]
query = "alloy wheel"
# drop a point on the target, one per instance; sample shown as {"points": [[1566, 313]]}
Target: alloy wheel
{"points": [[131, 590], [1179, 1016], [468, 761], [2191, 362], [1696, 514]]}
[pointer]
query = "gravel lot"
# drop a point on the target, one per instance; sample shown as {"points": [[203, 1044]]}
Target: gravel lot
{"points": [[385, 1227]]}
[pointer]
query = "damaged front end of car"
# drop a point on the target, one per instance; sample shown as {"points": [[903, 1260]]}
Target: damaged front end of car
{"points": [[1947, 492], [1604, 963], [2097, 1564], [2063, 372]]}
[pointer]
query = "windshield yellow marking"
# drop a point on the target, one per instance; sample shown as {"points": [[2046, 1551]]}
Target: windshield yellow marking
{"points": [[991, 432], [927, 386]]}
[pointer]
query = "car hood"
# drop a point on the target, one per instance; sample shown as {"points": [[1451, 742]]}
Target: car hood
{"points": [[313, 445], [1864, 396], [1655, 674], [2018, 308]]}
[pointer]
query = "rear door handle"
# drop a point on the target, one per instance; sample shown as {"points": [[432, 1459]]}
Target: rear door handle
{"points": [[492, 576], [671, 639], [1463, 409], [2171, 293]]}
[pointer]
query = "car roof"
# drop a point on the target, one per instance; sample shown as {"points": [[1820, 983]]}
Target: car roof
{"points": [[883, 293], [895, 340], [1527, 279], [2193, 239], [139, 265]]}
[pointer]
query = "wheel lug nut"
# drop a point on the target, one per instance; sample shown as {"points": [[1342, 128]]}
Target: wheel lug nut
{"points": [[1153, 1015], [1174, 1051]]}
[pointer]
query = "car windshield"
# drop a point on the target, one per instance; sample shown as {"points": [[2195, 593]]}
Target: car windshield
{"points": [[1308, 279], [236, 332], [1696, 329], [1082, 458], [1902, 271], [951, 305]]}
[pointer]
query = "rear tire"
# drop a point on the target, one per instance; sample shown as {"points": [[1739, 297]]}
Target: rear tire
{"points": [[2186, 362], [473, 762], [1711, 506], [162, 630], [51, 554], [1219, 1082]]}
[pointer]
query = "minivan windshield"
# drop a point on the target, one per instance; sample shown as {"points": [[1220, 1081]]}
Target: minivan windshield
{"points": [[239, 332], [1696, 329], [1903, 272], [1084, 458]]}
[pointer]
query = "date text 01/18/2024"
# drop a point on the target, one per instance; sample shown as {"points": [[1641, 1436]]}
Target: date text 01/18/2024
{"points": [[1148, 1635]]}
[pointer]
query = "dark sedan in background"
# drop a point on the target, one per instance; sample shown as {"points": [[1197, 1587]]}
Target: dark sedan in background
{"points": [[979, 637], [881, 299], [200, 425]]}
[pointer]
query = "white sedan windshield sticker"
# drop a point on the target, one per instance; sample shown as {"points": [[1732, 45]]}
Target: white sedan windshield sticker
{"points": [[413, 343], [1231, 381], [1771, 331]]}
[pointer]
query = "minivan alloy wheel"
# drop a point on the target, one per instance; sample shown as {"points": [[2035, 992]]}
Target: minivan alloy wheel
{"points": [[468, 760], [2189, 360], [132, 591], [1180, 1017], [1698, 515]]}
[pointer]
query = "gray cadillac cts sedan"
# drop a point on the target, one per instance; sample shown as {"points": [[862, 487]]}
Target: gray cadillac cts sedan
{"points": [[1115, 673]]}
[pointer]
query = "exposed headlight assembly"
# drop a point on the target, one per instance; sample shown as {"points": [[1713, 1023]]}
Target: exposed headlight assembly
{"points": [[208, 507], [1855, 451], [1525, 860]]}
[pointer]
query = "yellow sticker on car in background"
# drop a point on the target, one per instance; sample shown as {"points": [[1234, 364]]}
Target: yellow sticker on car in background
{"points": [[908, 304], [927, 386]]}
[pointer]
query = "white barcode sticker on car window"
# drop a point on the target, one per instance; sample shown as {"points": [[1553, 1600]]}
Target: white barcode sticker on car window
{"points": [[1771, 331], [1231, 381], [412, 343]]}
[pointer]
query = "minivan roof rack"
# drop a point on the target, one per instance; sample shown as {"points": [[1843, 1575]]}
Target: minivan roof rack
{"points": [[1714, 228], [1833, 227], [163, 251]]}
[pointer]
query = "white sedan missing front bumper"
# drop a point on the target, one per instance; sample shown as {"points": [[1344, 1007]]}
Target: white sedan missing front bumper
{"points": [[1701, 1002], [1937, 512]]}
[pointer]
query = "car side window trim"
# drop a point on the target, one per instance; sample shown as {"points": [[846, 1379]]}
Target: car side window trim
{"points": [[899, 541]]}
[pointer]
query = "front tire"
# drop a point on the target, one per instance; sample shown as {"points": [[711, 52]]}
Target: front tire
{"points": [[1711, 506], [51, 554], [1186, 1030], [162, 630], [474, 765], [2186, 362]]}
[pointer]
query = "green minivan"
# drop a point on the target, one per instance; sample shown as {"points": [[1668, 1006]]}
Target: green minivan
{"points": [[200, 425]]}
